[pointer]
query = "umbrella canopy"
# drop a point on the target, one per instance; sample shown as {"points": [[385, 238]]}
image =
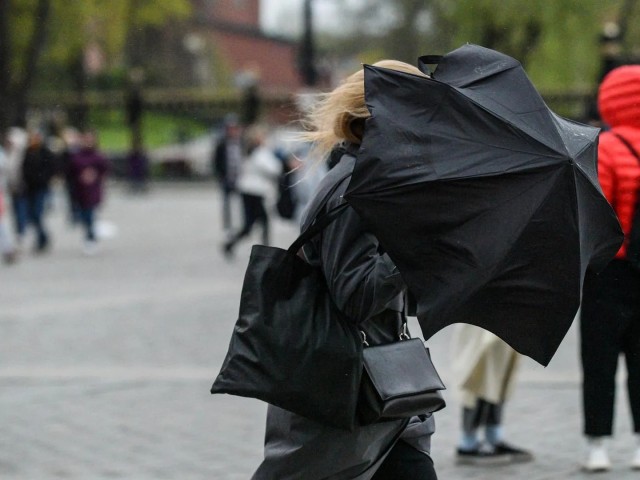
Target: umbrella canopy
{"points": [[487, 201]]}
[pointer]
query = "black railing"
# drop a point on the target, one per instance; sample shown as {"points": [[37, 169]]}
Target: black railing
{"points": [[209, 106]]}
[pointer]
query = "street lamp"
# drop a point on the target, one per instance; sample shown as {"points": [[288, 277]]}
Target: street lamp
{"points": [[307, 49]]}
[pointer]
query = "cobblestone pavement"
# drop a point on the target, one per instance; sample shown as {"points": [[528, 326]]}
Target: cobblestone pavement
{"points": [[106, 361]]}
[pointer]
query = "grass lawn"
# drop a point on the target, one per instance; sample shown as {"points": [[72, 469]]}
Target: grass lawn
{"points": [[158, 129]]}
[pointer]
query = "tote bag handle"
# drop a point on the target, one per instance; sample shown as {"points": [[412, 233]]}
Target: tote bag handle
{"points": [[316, 227]]}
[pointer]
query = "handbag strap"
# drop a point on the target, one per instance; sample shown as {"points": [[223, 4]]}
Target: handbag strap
{"points": [[403, 334], [627, 143], [321, 221], [319, 224]]}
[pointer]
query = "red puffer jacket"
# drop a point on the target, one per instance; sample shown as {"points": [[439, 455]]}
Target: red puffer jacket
{"points": [[618, 169]]}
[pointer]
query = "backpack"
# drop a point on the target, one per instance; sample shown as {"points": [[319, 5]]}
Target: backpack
{"points": [[633, 247], [286, 204]]}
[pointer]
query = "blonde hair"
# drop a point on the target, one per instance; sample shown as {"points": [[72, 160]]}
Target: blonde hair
{"points": [[339, 115]]}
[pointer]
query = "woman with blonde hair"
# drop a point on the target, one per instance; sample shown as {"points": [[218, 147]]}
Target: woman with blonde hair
{"points": [[368, 289]]}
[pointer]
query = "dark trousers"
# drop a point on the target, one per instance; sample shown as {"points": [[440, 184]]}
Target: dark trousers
{"points": [[227, 192], [484, 413], [254, 211], [35, 207], [74, 208], [87, 217], [406, 463], [609, 326], [20, 206]]}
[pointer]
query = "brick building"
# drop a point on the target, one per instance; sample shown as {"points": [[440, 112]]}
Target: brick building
{"points": [[230, 34]]}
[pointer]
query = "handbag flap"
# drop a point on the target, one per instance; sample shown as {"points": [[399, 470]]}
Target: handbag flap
{"points": [[401, 368]]}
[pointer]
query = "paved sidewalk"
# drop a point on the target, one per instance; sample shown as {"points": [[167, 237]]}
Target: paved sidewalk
{"points": [[106, 361]]}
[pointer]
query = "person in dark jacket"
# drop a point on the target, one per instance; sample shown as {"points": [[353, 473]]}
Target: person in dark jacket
{"points": [[88, 169], [367, 288], [38, 168], [610, 313], [227, 160]]}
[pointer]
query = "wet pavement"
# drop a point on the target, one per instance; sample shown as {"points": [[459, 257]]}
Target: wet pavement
{"points": [[106, 361]]}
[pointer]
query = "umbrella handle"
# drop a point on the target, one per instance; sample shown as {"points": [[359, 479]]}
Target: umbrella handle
{"points": [[426, 60]]}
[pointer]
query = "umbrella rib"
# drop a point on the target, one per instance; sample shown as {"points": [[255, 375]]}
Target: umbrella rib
{"points": [[511, 149], [394, 188], [516, 237], [564, 153], [583, 171], [519, 233]]}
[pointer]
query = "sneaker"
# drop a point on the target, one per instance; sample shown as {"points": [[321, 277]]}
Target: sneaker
{"points": [[598, 459], [227, 249], [517, 455], [481, 455], [635, 462], [10, 257]]}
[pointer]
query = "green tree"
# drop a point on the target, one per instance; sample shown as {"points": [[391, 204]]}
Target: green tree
{"points": [[61, 30], [556, 40], [22, 29]]}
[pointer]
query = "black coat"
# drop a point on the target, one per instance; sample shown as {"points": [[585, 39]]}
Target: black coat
{"points": [[38, 167], [367, 288]]}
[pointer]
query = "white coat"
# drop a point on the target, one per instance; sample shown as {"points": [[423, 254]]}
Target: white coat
{"points": [[259, 174], [484, 366]]}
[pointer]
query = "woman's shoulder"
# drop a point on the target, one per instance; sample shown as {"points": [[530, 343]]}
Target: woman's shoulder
{"points": [[331, 188]]}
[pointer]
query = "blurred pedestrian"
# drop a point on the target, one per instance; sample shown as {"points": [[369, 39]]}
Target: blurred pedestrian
{"points": [[88, 170], [138, 169], [484, 368], [287, 202], [7, 247], [15, 148], [71, 143], [226, 164], [38, 168], [257, 185], [610, 311]]}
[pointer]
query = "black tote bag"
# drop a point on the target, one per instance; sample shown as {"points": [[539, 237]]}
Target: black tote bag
{"points": [[291, 347]]}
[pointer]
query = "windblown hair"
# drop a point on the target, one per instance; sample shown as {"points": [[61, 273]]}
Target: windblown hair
{"points": [[339, 115]]}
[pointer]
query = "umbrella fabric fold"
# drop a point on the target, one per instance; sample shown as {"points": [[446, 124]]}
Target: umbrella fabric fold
{"points": [[487, 201]]}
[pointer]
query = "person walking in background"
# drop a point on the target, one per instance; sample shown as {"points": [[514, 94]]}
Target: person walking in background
{"points": [[138, 169], [72, 140], [484, 367], [227, 161], [287, 203], [256, 184], [7, 248], [38, 168], [88, 170], [15, 146], [610, 311]]}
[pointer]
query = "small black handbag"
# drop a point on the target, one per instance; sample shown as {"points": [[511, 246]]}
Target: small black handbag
{"points": [[398, 381]]}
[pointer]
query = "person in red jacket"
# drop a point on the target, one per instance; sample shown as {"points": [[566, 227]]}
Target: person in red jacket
{"points": [[610, 312]]}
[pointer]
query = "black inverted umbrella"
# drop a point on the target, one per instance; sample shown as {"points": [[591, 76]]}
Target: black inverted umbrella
{"points": [[487, 201]]}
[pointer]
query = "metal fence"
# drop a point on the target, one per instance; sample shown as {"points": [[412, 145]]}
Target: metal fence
{"points": [[212, 106], [197, 104]]}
